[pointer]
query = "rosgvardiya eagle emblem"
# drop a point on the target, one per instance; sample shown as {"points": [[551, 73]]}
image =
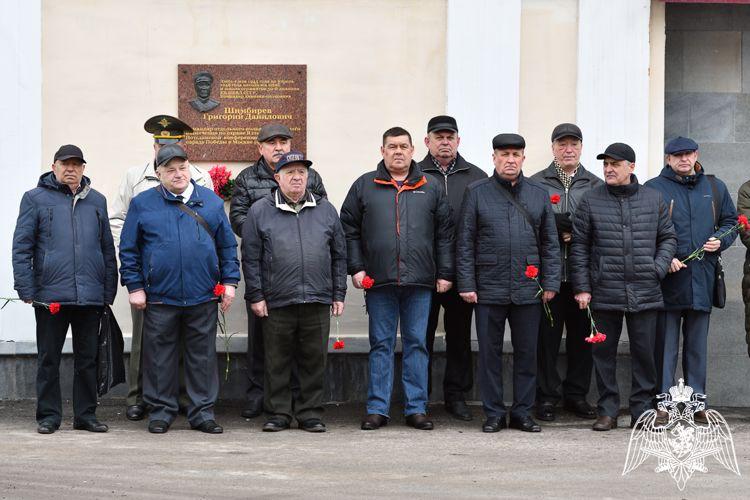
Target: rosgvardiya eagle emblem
{"points": [[681, 446]]}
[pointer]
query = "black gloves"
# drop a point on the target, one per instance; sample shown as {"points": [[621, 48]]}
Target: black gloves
{"points": [[564, 223]]}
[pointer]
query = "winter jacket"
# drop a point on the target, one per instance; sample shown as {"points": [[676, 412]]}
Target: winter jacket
{"points": [[399, 235], [62, 246], [291, 257], [495, 243], [623, 244], [167, 253], [256, 182], [692, 208], [569, 198]]}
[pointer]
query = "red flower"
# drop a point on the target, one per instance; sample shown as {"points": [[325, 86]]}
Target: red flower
{"points": [[555, 199], [222, 181], [367, 282], [596, 339], [532, 272], [54, 308], [742, 219], [339, 344], [219, 289]]}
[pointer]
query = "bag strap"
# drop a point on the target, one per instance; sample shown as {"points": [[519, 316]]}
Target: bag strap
{"points": [[523, 212], [714, 197]]}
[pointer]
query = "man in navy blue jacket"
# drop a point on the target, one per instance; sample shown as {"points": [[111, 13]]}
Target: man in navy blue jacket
{"points": [[701, 210], [176, 246], [63, 254]]}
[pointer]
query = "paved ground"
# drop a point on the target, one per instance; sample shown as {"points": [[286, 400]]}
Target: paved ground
{"points": [[566, 460]]}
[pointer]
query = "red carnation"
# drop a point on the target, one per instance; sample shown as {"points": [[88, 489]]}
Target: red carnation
{"points": [[367, 282], [532, 272], [219, 289], [742, 220], [339, 344], [555, 199], [54, 308]]}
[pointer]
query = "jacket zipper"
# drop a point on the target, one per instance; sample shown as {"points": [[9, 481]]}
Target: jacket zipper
{"points": [[301, 258], [398, 240], [75, 242]]}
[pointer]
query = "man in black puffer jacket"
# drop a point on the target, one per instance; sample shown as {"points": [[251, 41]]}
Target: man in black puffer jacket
{"points": [[623, 244], [507, 224]]}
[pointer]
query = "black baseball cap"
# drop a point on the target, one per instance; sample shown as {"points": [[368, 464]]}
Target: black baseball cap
{"points": [[169, 152], [271, 130], [566, 130], [292, 157], [618, 151], [69, 151], [508, 141], [442, 122]]}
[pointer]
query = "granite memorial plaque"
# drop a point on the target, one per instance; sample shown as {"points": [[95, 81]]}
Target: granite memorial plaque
{"points": [[226, 104]]}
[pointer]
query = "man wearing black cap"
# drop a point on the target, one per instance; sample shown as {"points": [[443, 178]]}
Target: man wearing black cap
{"points": [[701, 210], [566, 181], [166, 130], [252, 184], [176, 247], [623, 244], [454, 173], [63, 253], [295, 236], [506, 230]]}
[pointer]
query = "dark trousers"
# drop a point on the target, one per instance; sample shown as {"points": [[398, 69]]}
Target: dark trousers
{"points": [[565, 311], [165, 327], [641, 337], [296, 334], [459, 375], [255, 359], [524, 332], [50, 337], [694, 348]]}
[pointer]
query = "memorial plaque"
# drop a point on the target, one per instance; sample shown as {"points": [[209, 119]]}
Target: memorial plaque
{"points": [[226, 104]]}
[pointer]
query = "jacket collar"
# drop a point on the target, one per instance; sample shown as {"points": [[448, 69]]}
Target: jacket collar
{"points": [[194, 201], [520, 180], [414, 179], [428, 165], [626, 190], [582, 174], [48, 181], [281, 203], [685, 180], [262, 168]]}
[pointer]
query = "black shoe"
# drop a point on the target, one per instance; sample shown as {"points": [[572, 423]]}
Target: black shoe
{"points": [[373, 421], [209, 427], [525, 424], [91, 426], [494, 424], [252, 412], [699, 417], [419, 421], [545, 411], [605, 423], [662, 418], [580, 408], [312, 425], [459, 410], [45, 428], [158, 427], [135, 412], [275, 424]]}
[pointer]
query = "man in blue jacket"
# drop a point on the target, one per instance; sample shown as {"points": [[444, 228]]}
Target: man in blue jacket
{"points": [[701, 210], [63, 254], [176, 246]]}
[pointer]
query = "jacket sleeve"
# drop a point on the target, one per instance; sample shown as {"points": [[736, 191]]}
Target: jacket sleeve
{"points": [[24, 241], [120, 208], [666, 240], [131, 268], [550, 250], [239, 205], [727, 217], [743, 208], [580, 248], [445, 239], [226, 250], [252, 255], [338, 258], [315, 184], [351, 222], [110, 260], [465, 243]]}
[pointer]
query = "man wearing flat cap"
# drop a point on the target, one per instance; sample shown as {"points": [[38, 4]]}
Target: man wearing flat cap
{"points": [[701, 210], [253, 183], [505, 229], [566, 180], [63, 257], [454, 173], [203, 102], [296, 237], [165, 130], [176, 247], [743, 208], [623, 245]]}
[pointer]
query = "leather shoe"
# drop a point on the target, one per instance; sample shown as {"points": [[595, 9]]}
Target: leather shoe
{"points": [[662, 418], [373, 421], [546, 412], [419, 421], [525, 424], [459, 410], [604, 423], [252, 412], [494, 424], [45, 428], [312, 425], [699, 417], [275, 424], [209, 427], [580, 408], [91, 426], [135, 412], [158, 427]]}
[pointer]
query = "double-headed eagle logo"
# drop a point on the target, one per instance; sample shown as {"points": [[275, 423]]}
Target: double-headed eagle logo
{"points": [[680, 445]]}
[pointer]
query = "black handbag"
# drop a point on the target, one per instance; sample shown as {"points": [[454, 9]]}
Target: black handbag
{"points": [[720, 287], [110, 367]]}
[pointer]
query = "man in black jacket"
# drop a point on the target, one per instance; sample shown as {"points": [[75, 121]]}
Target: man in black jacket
{"points": [[399, 231], [506, 233], [294, 260], [566, 181], [252, 184], [454, 173], [623, 244]]}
